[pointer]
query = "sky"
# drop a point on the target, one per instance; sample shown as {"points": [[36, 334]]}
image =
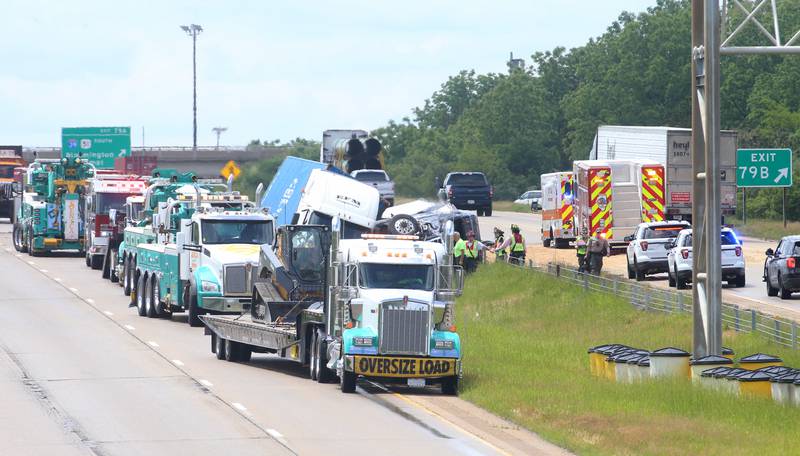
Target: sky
{"points": [[265, 69]]}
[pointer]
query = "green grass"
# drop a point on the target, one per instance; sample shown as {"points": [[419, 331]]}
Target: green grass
{"points": [[763, 228], [525, 336]]}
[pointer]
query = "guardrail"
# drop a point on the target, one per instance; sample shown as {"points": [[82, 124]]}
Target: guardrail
{"points": [[644, 297]]}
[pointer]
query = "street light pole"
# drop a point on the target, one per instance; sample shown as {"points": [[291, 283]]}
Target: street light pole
{"points": [[219, 131], [193, 30]]}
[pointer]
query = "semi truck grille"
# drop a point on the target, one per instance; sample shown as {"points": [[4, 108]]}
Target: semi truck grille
{"points": [[237, 280], [405, 328]]}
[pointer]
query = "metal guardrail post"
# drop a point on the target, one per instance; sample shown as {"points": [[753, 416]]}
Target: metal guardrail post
{"points": [[645, 299], [615, 286], [794, 335], [585, 282], [680, 301], [777, 330], [558, 270], [753, 319], [736, 319]]}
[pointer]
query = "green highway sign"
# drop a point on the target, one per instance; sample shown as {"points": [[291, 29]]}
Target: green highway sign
{"points": [[764, 167], [99, 145]]}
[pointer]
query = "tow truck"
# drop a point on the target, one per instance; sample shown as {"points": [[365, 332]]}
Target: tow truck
{"points": [[49, 215], [106, 195], [386, 311], [202, 256]]}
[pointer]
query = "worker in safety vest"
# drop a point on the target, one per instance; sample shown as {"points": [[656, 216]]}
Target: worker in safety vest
{"points": [[472, 250], [516, 246], [580, 251], [597, 248], [459, 248], [499, 240]]}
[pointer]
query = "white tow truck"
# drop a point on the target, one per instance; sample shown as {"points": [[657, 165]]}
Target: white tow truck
{"points": [[387, 312]]}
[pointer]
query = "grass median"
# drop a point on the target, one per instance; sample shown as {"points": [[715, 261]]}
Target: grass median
{"points": [[764, 228], [526, 334]]}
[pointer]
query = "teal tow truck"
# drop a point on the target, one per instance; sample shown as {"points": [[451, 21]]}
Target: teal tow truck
{"points": [[50, 212], [200, 257]]}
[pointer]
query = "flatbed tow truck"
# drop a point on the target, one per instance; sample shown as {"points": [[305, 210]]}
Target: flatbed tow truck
{"points": [[386, 310]]}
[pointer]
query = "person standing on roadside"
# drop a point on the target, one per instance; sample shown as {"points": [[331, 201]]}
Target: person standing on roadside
{"points": [[499, 240], [472, 249], [459, 248], [516, 246], [580, 251], [598, 248]]}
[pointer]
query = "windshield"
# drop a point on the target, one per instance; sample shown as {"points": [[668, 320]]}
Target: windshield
{"points": [[6, 172], [107, 201], [307, 256], [370, 176], [237, 232], [134, 209], [349, 230], [467, 180], [399, 276], [662, 232], [727, 238]]}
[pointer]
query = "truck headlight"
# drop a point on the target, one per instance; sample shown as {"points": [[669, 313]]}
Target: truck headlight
{"points": [[105, 233], [208, 286], [443, 344], [363, 341]]}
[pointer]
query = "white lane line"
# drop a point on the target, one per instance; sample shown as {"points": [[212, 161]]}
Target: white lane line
{"points": [[152, 343], [31, 262], [57, 279], [205, 383], [91, 301], [18, 255], [110, 314], [129, 327], [277, 436], [74, 290], [239, 407], [177, 362], [43, 270]]}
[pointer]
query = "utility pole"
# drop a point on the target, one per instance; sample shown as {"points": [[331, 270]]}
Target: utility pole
{"points": [[219, 131], [193, 30], [709, 26]]}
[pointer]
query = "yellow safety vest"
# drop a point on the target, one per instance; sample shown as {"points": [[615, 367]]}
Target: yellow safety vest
{"points": [[515, 246], [471, 250]]}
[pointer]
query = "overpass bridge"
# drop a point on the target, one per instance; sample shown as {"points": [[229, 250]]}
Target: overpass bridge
{"points": [[206, 161]]}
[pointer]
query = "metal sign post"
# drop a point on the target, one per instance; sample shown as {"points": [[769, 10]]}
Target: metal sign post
{"points": [[707, 23]]}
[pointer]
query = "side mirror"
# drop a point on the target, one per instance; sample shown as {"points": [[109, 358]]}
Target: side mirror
{"points": [[770, 252], [669, 245], [628, 238]]}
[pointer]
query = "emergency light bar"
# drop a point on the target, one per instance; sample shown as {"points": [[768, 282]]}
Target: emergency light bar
{"points": [[398, 237], [214, 198]]}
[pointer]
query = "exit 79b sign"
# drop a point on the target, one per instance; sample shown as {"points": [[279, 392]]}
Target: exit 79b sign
{"points": [[764, 167]]}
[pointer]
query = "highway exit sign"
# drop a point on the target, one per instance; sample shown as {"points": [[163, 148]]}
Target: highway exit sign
{"points": [[99, 145], [764, 167]]}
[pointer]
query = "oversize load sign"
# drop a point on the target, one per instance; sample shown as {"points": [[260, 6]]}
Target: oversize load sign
{"points": [[764, 167], [376, 366], [99, 145]]}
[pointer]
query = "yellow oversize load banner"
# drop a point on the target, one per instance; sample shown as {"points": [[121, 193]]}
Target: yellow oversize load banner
{"points": [[378, 366]]}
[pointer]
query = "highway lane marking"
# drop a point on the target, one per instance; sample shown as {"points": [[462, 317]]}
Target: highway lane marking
{"points": [[441, 417], [43, 270], [74, 290], [18, 255], [177, 362], [57, 279], [129, 327], [91, 301], [205, 383], [31, 262], [110, 314], [241, 408], [277, 436], [152, 343]]}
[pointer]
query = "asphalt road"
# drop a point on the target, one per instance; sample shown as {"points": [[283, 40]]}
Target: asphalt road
{"points": [[752, 295], [82, 373]]}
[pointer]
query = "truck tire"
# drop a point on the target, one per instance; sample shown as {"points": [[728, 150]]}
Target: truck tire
{"points": [[194, 310], [631, 274], [479, 212], [450, 385], [546, 242], [782, 291], [671, 280], [220, 346], [740, 281], [88, 260], [348, 382], [106, 266], [488, 211], [231, 351], [680, 284], [31, 250], [126, 276], [324, 375], [18, 237], [95, 261], [112, 267], [404, 224], [139, 293], [149, 301]]}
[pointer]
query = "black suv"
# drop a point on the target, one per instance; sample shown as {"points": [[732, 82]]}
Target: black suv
{"points": [[469, 191]]}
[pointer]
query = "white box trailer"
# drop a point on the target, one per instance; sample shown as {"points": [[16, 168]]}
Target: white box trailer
{"points": [[558, 226], [670, 147]]}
